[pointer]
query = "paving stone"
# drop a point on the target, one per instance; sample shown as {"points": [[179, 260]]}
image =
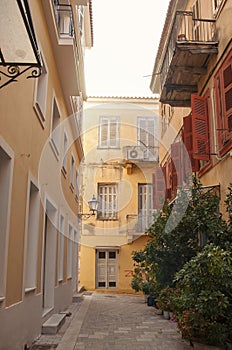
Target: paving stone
{"points": [[119, 322]]}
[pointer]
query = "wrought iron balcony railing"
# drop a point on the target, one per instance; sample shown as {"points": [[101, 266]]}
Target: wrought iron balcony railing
{"points": [[64, 19], [137, 224]]}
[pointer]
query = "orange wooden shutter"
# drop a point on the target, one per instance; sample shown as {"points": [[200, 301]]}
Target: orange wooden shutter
{"points": [[227, 92], [188, 142], [200, 128]]}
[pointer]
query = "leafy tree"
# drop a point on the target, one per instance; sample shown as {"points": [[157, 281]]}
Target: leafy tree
{"points": [[173, 242]]}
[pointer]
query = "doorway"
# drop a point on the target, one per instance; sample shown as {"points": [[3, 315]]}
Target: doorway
{"points": [[107, 268], [49, 260]]}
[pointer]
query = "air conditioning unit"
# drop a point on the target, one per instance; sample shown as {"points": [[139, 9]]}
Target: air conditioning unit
{"points": [[135, 153]]}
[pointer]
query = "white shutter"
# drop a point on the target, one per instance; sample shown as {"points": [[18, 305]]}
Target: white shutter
{"points": [[109, 132]]}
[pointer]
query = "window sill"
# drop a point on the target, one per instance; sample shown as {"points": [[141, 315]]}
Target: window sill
{"points": [[54, 149], [39, 114], [108, 147], [225, 149], [107, 219], [206, 168], [71, 187], [29, 290], [64, 171]]}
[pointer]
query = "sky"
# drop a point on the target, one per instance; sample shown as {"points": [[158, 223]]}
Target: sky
{"points": [[126, 38]]}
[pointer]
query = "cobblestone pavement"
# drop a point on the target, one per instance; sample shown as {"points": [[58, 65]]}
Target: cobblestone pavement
{"points": [[119, 322]]}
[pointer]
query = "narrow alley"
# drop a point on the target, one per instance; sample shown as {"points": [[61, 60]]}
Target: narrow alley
{"points": [[114, 321]]}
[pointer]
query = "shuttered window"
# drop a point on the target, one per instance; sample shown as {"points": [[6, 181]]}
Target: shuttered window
{"points": [[159, 187], [200, 128], [147, 134], [109, 132], [107, 194], [188, 142], [176, 165], [223, 92]]}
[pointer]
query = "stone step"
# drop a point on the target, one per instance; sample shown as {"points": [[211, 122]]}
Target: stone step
{"points": [[53, 324]]}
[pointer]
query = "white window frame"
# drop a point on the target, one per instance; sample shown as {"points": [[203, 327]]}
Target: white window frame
{"points": [[145, 144], [6, 179], [65, 151], [109, 142], [108, 204], [217, 5], [77, 183], [69, 250], [145, 206], [55, 128], [61, 234], [40, 93], [32, 235], [72, 171]]}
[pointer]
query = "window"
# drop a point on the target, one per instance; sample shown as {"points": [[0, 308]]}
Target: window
{"points": [[188, 142], [223, 92], [200, 128], [159, 187], [216, 5], [77, 106], [147, 135], [145, 206], [41, 93], [55, 128], [77, 183], [32, 237], [72, 172], [196, 24], [109, 132], [61, 249], [6, 171], [65, 152], [107, 194]]}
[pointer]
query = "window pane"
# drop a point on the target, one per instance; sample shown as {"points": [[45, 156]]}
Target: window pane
{"points": [[102, 255], [112, 255]]}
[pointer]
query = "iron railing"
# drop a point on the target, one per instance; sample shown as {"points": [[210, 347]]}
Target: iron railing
{"points": [[65, 23], [138, 223]]}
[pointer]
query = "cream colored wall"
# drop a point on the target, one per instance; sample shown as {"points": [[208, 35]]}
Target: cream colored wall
{"points": [[172, 132], [109, 166], [23, 132], [125, 265], [87, 267]]}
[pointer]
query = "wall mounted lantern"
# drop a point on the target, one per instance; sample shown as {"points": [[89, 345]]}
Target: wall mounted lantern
{"points": [[18, 47], [93, 205]]}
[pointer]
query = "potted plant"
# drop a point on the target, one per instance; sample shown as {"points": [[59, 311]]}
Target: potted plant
{"points": [[165, 301]]}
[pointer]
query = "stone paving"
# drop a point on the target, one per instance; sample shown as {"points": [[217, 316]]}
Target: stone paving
{"points": [[119, 322]]}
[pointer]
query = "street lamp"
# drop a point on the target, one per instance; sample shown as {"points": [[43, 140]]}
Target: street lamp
{"points": [[93, 205], [18, 47]]}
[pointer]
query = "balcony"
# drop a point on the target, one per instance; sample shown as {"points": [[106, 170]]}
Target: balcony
{"points": [[138, 154], [63, 31], [191, 44], [138, 224]]}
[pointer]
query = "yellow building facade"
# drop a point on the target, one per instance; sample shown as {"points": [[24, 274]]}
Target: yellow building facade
{"points": [[40, 152], [193, 75], [121, 151]]}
